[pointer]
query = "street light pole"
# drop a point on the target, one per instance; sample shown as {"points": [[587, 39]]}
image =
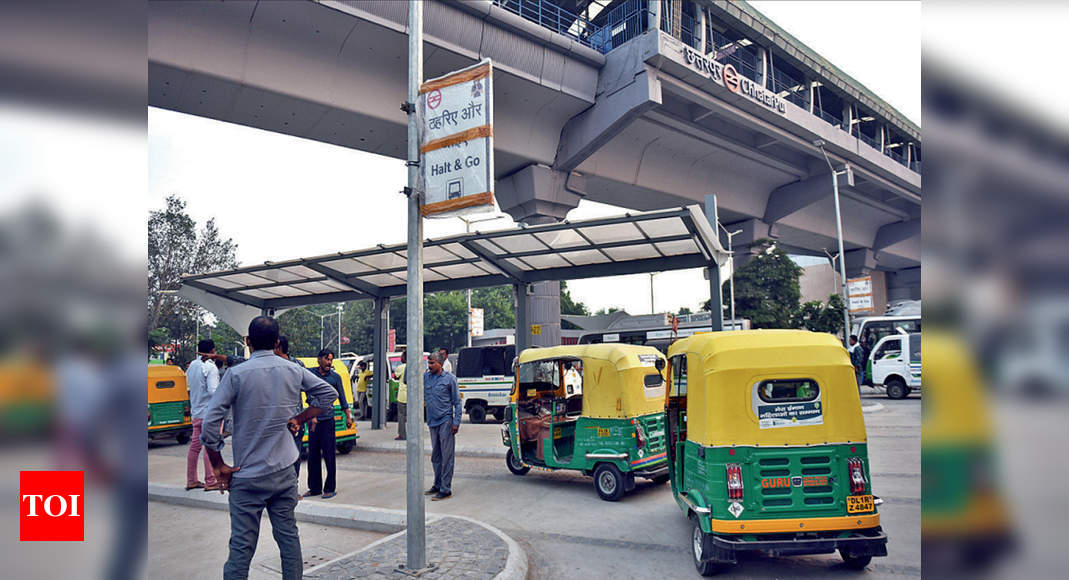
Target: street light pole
{"points": [[341, 307], [731, 282], [651, 293], [839, 232]]}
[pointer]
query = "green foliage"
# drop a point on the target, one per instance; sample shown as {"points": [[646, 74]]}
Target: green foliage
{"points": [[683, 310], [177, 247], [608, 310], [821, 316], [767, 290]]}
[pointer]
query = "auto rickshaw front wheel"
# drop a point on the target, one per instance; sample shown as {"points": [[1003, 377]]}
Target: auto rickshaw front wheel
{"points": [[514, 465], [346, 446], [609, 482], [704, 567], [854, 562]]}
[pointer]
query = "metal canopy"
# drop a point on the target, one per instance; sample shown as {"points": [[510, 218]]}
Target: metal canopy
{"points": [[634, 243]]}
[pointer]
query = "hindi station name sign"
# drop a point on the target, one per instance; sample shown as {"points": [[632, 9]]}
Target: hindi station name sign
{"points": [[457, 142]]}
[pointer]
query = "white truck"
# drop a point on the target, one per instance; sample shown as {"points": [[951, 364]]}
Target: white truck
{"points": [[896, 364], [484, 377]]}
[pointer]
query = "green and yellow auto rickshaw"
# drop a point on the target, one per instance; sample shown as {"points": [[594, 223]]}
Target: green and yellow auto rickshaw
{"points": [[168, 404], [767, 447], [594, 408]]}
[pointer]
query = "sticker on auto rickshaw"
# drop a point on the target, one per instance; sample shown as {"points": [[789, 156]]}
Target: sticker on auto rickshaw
{"points": [[648, 360], [789, 415], [856, 504]]}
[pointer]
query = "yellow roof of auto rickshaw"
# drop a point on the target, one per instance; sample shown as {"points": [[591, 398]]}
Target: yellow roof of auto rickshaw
{"points": [[160, 372], [621, 355], [613, 377], [733, 348], [721, 386]]}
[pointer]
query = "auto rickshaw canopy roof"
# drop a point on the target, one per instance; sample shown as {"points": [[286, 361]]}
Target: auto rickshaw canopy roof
{"points": [[613, 377], [725, 369], [166, 373]]}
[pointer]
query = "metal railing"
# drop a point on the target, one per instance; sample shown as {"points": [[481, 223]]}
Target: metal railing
{"points": [[549, 15], [871, 142], [620, 25], [688, 31], [783, 83], [828, 117]]}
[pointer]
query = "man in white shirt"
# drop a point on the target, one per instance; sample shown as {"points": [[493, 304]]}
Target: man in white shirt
{"points": [[202, 378], [446, 365]]}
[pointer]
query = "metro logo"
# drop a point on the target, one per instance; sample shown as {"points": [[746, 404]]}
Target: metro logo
{"points": [[51, 506]]}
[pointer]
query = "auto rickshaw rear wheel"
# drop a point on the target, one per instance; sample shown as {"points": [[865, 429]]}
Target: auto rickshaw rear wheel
{"points": [[854, 562], [706, 567], [514, 465], [346, 446], [182, 438], [897, 389], [609, 482]]}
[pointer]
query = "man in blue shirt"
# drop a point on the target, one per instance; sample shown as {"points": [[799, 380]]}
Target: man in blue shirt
{"points": [[263, 394], [442, 397], [321, 439]]}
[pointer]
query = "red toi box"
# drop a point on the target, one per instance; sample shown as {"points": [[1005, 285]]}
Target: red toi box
{"points": [[51, 506]]}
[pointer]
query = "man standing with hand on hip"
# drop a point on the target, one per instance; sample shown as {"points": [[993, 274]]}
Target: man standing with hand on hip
{"points": [[442, 397], [263, 393]]}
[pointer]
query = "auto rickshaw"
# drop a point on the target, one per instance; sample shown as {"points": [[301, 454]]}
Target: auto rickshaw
{"points": [[344, 437], [767, 448], [965, 519], [594, 408], [168, 404]]}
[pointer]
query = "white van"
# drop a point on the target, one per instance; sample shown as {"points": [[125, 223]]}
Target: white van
{"points": [[484, 376], [871, 330], [896, 364]]}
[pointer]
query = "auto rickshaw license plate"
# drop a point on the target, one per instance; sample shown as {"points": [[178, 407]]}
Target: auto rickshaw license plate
{"points": [[859, 503]]}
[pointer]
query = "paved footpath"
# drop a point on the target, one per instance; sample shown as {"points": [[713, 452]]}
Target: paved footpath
{"points": [[456, 548]]}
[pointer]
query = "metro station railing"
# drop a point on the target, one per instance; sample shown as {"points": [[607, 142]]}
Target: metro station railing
{"points": [[630, 19], [549, 15]]}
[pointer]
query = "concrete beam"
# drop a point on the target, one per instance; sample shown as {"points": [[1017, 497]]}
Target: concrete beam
{"points": [[611, 114], [537, 191], [891, 234], [860, 261], [794, 197]]}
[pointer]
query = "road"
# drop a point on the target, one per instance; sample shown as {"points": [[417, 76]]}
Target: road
{"points": [[568, 532]]}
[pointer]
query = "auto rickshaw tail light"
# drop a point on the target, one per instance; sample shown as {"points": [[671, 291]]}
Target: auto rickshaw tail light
{"points": [[734, 481], [640, 435], [857, 475]]}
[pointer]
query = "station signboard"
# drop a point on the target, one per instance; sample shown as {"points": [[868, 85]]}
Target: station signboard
{"points": [[477, 322], [457, 142], [859, 291]]}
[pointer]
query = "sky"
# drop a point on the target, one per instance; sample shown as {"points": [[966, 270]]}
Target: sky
{"points": [[282, 197]]}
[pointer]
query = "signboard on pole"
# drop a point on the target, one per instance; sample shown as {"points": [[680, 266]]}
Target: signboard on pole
{"points": [[859, 291], [391, 343], [476, 321], [457, 142]]}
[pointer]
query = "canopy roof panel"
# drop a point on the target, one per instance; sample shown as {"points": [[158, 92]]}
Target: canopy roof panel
{"points": [[634, 243]]}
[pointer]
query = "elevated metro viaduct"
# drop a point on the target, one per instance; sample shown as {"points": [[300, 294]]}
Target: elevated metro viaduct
{"points": [[639, 104]]}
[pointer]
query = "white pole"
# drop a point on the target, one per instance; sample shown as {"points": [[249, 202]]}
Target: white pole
{"points": [[839, 233], [341, 307]]}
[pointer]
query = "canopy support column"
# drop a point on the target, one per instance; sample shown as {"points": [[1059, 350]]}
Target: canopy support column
{"points": [[715, 300], [380, 364], [523, 329]]}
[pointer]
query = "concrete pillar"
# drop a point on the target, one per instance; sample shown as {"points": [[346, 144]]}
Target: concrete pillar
{"points": [[701, 28], [381, 364], [812, 97], [654, 19], [763, 67], [848, 118], [538, 195]]}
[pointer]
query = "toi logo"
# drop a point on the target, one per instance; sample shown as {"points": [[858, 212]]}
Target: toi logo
{"points": [[51, 506]]}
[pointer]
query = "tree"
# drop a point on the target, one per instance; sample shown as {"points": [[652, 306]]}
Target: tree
{"points": [[683, 310], [608, 310], [821, 316], [767, 290], [177, 247]]}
